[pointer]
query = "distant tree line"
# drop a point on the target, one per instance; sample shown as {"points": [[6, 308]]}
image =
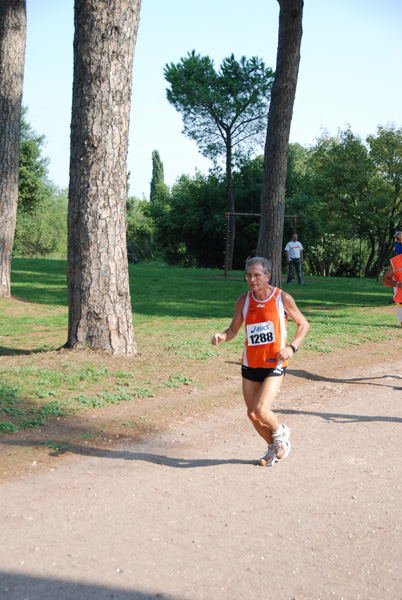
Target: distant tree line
{"points": [[346, 192], [41, 228]]}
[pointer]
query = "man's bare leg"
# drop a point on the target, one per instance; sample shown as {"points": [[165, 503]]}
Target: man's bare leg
{"points": [[259, 398]]}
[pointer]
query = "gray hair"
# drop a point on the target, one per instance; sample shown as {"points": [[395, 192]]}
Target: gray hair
{"points": [[259, 260]]}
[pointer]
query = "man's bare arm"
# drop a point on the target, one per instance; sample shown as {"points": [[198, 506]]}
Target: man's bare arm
{"points": [[388, 280], [301, 322]]}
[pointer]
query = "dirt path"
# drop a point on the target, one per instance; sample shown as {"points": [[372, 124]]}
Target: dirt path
{"points": [[186, 515]]}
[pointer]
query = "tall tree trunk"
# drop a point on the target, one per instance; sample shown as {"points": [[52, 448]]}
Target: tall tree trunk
{"points": [[100, 314], [368, 271], [12, 55], [277, 143], [231, 203]]}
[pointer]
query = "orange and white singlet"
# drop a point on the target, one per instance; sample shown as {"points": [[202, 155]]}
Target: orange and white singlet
{"points": [[265, 323], [396, 263]]}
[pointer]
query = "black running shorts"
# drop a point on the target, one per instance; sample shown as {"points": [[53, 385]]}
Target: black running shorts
{"points": [[260, 374]]}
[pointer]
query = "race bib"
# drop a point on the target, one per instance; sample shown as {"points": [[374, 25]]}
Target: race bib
{"points": [[260, 333]]}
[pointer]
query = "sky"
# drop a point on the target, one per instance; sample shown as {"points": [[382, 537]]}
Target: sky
{"points": [[350, 73]]}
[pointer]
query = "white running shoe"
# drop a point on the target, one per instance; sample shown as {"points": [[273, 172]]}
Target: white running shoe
{"points": [[269, 457], [282, 442]]}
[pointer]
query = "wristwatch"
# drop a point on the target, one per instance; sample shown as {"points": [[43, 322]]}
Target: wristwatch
{"points": [[294, 348]]}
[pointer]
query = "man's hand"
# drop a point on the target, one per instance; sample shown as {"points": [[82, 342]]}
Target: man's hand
{"points": [[285, 353], [218, 338]]}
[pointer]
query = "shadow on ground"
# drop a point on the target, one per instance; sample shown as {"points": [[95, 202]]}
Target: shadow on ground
{"points": [[356, 380], [18, 586]]}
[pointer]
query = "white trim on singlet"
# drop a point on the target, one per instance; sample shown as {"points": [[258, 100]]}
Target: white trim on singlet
{"points": [[246, 305], [282, 323], [245, 309]]}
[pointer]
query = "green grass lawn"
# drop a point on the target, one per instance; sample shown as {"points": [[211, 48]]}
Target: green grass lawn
{"points": [[341, 311], [176, 311]]}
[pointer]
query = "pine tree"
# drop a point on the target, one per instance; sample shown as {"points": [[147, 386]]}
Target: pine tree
{"points": [[157, 175], [12, 56], [225, 112]]}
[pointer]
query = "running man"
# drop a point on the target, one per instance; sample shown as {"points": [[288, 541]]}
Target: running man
{"points": [[264, 311]]}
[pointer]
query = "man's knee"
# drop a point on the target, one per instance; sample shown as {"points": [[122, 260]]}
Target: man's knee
{"points": [[261, 414], [251, 415]]}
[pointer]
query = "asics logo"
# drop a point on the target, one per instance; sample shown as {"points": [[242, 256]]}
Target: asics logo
{"points": [[259, 328]]}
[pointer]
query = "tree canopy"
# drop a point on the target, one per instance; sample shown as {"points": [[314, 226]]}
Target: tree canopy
{"points": [[224, 111], [34, 185], [221, 109], [41, 228], [345, 189]]}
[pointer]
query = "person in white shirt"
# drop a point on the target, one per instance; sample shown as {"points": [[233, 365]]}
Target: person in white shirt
{"points": [[294, 256]]}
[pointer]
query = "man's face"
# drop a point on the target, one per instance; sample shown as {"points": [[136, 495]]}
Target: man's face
{"points": [[294, 238], [399, 237], [256, 278]]}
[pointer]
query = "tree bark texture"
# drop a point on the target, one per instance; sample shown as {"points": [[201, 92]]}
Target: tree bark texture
{"points": [[12, 55], [100, 313], [277, 142]]}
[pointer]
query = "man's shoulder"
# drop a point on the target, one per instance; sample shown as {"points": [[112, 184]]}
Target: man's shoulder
{"points": [[241, 300], [287, 299]]}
